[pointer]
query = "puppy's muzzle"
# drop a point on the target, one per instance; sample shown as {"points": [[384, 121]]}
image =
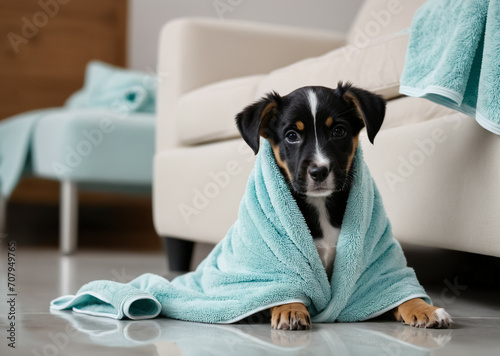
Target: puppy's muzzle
{"points": [[320, 181]]}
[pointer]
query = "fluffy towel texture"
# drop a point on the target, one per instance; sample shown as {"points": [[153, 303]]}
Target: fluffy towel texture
{"points": [[453, 58], [113, 300], [269, 258], [111, 87]]}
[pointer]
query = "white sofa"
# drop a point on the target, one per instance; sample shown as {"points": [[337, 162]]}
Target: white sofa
{"points": [[437, 170]]}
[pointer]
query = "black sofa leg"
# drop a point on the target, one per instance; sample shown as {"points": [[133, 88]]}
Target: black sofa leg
{"points": [[179, 253]]}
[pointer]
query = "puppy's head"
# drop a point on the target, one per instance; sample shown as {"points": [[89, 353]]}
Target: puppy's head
{"points": [[314, 133]]}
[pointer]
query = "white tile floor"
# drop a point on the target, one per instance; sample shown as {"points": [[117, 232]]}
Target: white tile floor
{"points": [[42, 275]]}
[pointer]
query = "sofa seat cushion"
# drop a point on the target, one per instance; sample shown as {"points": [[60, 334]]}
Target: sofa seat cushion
{"points": [[439, 183], [207, 114], [376, 67], [407, 111], [95, 146]]}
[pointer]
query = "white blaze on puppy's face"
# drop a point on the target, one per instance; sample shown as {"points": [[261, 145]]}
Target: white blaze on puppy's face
{"points": [[319, 159]]}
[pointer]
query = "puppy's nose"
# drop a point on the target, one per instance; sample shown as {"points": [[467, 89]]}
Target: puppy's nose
{"points": [[318, 173]]}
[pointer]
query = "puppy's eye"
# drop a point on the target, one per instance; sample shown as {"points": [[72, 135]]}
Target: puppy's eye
{"points": [[339, 131], [292, 137]]}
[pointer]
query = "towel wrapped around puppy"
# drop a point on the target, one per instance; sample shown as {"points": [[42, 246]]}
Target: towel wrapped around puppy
{"points": [[268, 258]]}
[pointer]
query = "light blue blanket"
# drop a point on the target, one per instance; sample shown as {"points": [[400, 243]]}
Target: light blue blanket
{"points": [[111, 87], [106, 86], [268, 258], [15, 145], [453, 58]]}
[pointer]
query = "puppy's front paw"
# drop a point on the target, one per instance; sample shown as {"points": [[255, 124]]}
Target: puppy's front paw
{"points": [[441, 319], [418, 313], [293, 316]]}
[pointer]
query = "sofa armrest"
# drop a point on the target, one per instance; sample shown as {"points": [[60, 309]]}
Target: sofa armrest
{"points": [[196, 52]]}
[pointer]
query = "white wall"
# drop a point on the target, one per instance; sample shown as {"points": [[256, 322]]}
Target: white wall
{"points": [[146, 17]]}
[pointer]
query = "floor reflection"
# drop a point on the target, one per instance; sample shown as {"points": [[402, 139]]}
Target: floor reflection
{"points": [[178, 337]]}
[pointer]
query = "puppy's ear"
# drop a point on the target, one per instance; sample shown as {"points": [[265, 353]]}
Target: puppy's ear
{"points": [[256, 120], [371, 107]]}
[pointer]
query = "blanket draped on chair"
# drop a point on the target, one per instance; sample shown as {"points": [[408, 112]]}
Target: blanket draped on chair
{"points": [[106, 87]]}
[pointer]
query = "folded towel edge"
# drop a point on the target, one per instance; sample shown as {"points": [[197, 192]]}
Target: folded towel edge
{"points": [[487, 124], [432, 89], [117, 316], [73, 300], [128, 303]]}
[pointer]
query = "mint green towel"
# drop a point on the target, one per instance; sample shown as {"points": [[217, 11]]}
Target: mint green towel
{"points": [[268, 258], [453, 58], [115, 88]]}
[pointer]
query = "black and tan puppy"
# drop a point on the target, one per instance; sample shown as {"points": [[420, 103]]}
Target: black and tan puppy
{"points": [[314, 134]]}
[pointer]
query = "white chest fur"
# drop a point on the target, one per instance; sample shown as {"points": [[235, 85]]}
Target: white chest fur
{"points": [[327, 244]]}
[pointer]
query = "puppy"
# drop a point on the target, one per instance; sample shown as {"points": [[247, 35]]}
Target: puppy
{"points": [[314, 133]]}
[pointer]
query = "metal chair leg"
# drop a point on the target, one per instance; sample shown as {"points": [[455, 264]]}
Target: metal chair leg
{"points": [[3, 214], [68, 217]]}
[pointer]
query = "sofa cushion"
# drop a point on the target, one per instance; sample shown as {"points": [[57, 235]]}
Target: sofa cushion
{"points": [[439, 183], [381, 18], [207, 114], [406, 111], [377, 67]]}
